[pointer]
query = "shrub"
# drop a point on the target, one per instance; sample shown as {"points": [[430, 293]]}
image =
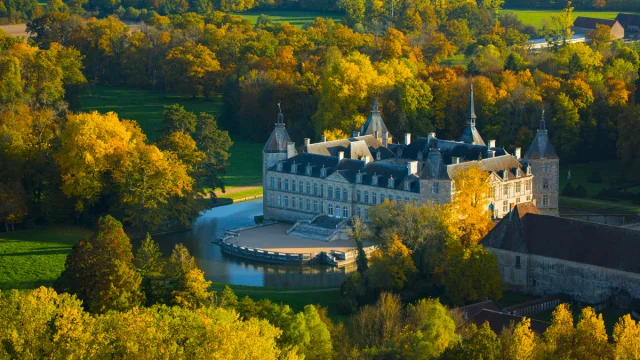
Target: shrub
{"points": [[568, 190], [580, 191], [595, 177], [259, 219]]}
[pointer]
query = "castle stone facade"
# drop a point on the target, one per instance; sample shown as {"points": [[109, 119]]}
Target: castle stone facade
{"points": [[344, 178]]}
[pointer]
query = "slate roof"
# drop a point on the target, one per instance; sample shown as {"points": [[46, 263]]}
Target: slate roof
{"points": [[526, 231], [627, 20], [448, 149], [590, 23], [277, 142], [498, 321], [472, 310], [348, 169], [498, 164], [353, 148], [374, 122], [541, 147], [470, 135]]}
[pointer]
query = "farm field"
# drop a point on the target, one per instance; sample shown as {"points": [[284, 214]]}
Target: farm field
{"points": [[146, 108], [33, 258], [537, 17], [295, 18]]}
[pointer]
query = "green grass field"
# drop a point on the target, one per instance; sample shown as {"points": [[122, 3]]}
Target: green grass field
{"points": [[295, 18], [610, 172], [147, 107], [33, 258], [537, 17]]}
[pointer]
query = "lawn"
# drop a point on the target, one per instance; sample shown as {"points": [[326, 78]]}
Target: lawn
{"points": [[611, 171], [27, 263], [147, 107], [295, 18], [537, 17]]}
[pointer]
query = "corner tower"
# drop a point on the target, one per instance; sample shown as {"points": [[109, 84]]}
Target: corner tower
{"points": [[278, 147], [471, 134], [545, 166], [375, 125]]}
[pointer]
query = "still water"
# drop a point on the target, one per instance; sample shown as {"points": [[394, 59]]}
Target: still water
{"points": [[219, 267]]}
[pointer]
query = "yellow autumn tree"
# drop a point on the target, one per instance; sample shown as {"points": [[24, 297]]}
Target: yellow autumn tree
{"points": [[592, 341], [519, 341], [626, 335], [391, 268], [560, 336], [470, 204]]}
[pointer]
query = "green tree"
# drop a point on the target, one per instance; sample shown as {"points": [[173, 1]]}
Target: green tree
{"points": [[482, 344], [148, 258], [176, 118], [319, 347], [429, 330], [100, 270], [188, 287]]}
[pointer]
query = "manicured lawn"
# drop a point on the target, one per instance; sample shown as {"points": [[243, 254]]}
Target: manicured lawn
{"points": [[33, 258], [295, 18], [536, 17], [611, 171], [147, 109]]}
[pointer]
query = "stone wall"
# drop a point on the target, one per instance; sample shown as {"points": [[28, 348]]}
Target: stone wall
{"points": [[544, 276], [553, 176]]}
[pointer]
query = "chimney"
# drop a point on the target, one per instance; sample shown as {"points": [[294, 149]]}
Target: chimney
{"points": [[385, 138], [307, 141], [291, 149], [323, 138], [492, 144], [407, 138], [340, 155], [412, 167], [455, 160], [491, 153], [355, 134], [518, 153]]}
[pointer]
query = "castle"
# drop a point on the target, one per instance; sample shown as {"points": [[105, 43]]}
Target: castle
{"points": [[344, 178]]}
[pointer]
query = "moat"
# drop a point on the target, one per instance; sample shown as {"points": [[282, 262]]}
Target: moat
{"points": [[219, 267]]}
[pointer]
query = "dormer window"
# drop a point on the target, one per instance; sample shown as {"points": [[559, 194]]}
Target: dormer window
{"points": [[279, 166], [407, 185], [307, 170], [378, 156], [528, 169], [359, 177], [294, 168], [391, 182], [517, 172], [323, 171], [505, 175], [374, 179]]}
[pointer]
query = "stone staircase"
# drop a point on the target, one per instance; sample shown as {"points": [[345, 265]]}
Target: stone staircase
{"points": [[321, 228]]}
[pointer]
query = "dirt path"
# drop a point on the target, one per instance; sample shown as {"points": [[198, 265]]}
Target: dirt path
{"points": [[16, 30]]}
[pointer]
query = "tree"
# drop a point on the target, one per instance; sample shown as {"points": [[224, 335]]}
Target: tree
{"points": [[187, 283], [429, 331], [592, 341], [13, 204], [626, 337], [566, 126], [482, 343], [515, 62], [100, 271], [319, 347], [518, 342], [192, 69], [391, 268], [379, 325], [560, 337], [470, 203], [600, 36], [148, 258], [176, 118], [361, 261], [471, 273]]}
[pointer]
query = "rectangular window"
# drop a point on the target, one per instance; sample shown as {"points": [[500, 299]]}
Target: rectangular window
{"points": [[271, 200], [271, 183], [375, 199], [315, 205], [315, 189], [366, 197], [366, 214], [330, 209], [390, 198], [505, 191], [301, 187], [286, 201], [330, 192], [308, 205], [308, 187], [517, 262], [358, 212], [527, 185], [300, 203], [518, 187], [345, 195], [345, 212], [398, 199], [545, 184], [546, 167], [505, 206], [545, 200], [322, 207], [286, 184], [358, 197], [492, 192], [321, 189], [279, 184], [293, 185], [435, 188], [279, 201], [337, 193], [293, 202]]}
